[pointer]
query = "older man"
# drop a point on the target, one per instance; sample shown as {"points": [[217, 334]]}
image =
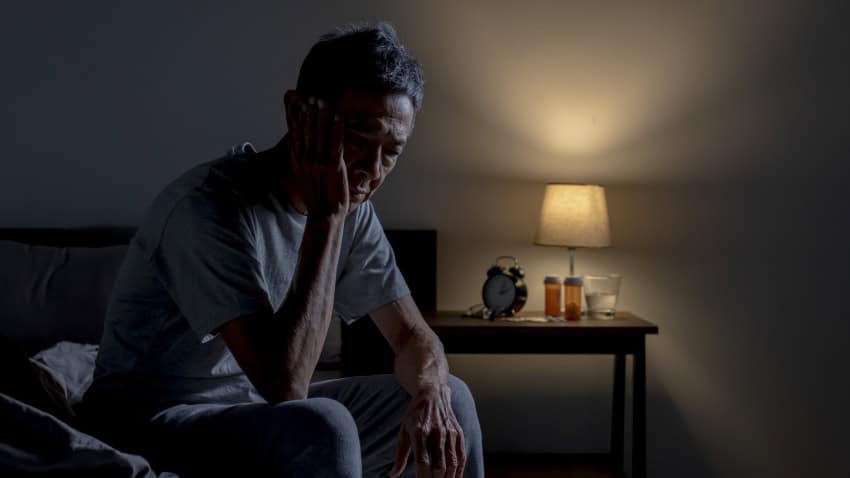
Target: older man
{"points": [[223, 303]]}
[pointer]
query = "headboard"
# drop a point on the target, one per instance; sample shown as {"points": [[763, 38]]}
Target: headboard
{"points": [[363, 348], [91, 236]]}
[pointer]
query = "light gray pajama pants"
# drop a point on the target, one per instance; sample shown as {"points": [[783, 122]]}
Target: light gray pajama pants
{"points": [[345, 426]]}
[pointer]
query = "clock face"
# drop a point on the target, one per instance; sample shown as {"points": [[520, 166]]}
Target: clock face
{"points": [[499, 293]]}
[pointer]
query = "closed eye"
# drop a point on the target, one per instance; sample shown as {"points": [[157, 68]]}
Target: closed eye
{"points": [[390, 156], [356, 142]]}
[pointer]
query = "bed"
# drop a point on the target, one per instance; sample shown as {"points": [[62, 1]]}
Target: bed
{"points": [[55, 284]]}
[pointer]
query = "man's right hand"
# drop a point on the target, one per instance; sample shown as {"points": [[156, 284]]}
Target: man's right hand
{"points": [[316, 155]]}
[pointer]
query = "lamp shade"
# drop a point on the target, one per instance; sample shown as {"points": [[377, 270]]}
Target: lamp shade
{"points": [[574, 215]]}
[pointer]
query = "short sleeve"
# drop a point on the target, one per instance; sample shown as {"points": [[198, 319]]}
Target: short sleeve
{"points": [[370, 277], [207, 261]]}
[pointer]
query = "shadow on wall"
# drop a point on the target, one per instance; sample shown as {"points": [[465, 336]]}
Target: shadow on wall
{"points": [[671, 444], [566, 407]]}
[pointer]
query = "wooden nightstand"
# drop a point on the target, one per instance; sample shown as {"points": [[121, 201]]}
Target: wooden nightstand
{"points": [[624, 334]]}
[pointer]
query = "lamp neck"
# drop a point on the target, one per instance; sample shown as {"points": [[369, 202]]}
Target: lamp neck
{"points": [[572, 260]]}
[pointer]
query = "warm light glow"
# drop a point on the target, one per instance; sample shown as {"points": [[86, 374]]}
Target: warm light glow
{"points": [[561, 113], [574, 215], [572, 133], [585, 92]]}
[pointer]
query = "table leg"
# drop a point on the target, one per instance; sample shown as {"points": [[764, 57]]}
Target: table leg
{"points": [[639, 413], [618, 410]]}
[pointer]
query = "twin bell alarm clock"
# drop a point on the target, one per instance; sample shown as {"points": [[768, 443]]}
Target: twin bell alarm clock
{"points": [[504, 292]]}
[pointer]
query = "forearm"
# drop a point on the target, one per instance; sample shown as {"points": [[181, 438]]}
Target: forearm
{"points": [[420, 363], [305, 315]]}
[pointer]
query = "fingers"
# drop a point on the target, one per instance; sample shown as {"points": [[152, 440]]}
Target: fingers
{"points": [[322, 132], [460, 450], [452, 456], [309, 131], [420, 453], [401, 454], [338, 153], [295, 109], [337, 138], [437, 451]]}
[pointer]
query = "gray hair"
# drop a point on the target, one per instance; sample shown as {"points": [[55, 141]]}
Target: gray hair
{"points": [[361, 57]]}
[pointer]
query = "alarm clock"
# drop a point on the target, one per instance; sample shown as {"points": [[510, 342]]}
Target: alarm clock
{"points": [[504, 291]]}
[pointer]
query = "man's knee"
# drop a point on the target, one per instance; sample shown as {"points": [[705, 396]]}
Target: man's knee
{"points": [[463, 406], [462, 402], [322, 418], [329, 432]]}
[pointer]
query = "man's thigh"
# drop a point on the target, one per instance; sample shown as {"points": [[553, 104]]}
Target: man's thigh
{"points": [[255, 439]]}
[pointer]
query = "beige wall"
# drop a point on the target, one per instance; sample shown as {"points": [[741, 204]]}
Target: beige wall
{"points": [[716, 129]]}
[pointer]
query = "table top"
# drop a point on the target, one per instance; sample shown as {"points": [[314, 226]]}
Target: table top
{"points": [[623, 323]]}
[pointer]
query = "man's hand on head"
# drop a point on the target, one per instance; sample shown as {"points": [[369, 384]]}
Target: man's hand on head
{"points": [[431, 430], [316, 155]]}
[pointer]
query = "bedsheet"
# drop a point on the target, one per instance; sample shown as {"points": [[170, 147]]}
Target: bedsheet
{"points": [[35, 443]]}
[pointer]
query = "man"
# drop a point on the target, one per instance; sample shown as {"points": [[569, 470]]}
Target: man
{"points": [[223, 303]]}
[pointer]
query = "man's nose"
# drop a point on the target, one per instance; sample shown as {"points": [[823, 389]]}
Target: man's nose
{"points": [[371, 164]]}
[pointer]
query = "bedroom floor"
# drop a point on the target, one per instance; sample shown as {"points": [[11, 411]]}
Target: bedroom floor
{"points": [[547, 466]]}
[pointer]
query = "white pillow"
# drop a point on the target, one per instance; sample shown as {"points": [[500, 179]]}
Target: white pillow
{"points": [[71, 365]]}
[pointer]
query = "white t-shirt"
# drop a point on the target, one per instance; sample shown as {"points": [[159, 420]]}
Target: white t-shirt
{"points": [[218, 244]]}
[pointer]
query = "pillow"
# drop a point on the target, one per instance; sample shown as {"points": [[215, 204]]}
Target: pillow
{"points": [[50, 294], [25, 381], [72, 367]]}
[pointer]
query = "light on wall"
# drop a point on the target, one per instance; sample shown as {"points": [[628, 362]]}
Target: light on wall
{"points": [[573, 216]]}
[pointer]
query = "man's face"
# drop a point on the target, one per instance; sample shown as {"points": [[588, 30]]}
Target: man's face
{"points": [[376, 130]]}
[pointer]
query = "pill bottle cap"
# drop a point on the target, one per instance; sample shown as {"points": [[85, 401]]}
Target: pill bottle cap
{"points": [[573, 281], [552, 280]]}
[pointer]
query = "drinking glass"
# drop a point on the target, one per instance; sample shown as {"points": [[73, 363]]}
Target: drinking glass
{"points": [[600, 292]]}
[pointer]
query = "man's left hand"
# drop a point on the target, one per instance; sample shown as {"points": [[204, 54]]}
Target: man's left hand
{"points": [[430, 429]]}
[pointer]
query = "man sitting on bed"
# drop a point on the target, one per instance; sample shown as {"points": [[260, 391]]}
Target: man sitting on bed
{"points": [[223, 303]]}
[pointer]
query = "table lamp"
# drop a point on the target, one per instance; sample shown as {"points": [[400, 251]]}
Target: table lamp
{"points": [[572, 216]]}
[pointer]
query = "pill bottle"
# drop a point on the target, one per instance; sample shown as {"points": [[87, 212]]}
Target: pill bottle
{"points": [[552, 285], [572, 298]]}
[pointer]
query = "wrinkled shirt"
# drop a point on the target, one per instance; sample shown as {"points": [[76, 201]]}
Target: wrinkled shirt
{"points": [[221, 242]]}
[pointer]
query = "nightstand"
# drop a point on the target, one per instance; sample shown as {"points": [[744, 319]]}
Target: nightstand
{"points": [[623, 335]]}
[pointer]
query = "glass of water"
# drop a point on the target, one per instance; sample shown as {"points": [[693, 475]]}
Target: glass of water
{"points": [[600, 292]]}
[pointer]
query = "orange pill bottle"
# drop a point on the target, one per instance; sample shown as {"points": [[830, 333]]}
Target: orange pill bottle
{"points": [[572, 298], [552, 299]]}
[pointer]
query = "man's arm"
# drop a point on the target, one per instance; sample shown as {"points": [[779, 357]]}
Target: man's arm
{"points": [[279, 352], [429, 427], [419, 359]]}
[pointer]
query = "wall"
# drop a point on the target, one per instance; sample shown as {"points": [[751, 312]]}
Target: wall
{"points": [[715, 127]]}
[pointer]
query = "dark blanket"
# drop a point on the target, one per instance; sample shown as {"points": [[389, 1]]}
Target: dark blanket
{"points": [[35, 443], [38, 435]]}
